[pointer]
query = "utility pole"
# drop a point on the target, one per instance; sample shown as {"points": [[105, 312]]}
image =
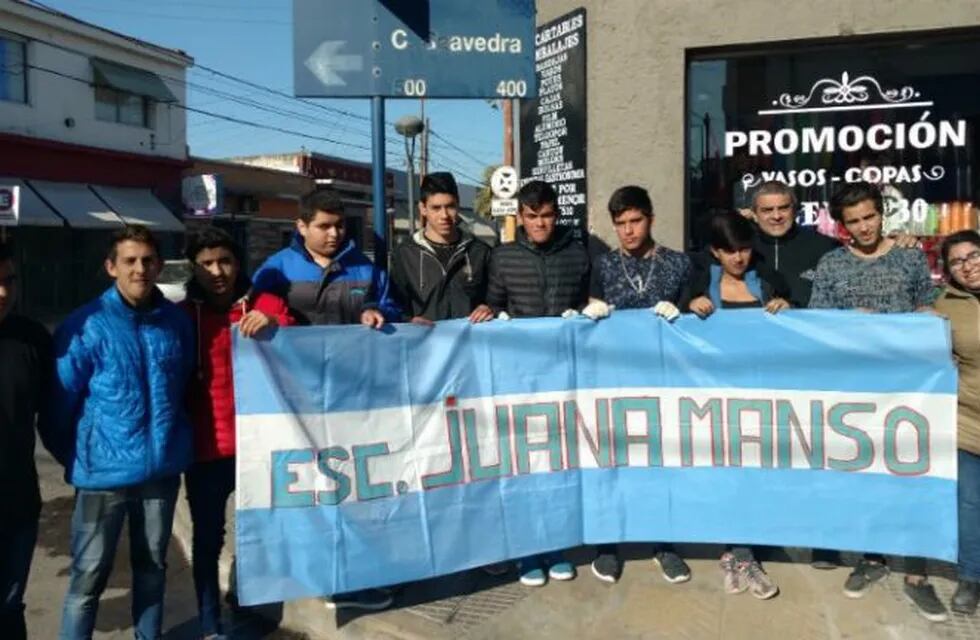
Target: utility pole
{"points": [[510, 222], [424, 152]]}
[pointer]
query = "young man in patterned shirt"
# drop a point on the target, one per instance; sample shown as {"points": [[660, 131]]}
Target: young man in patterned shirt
{"points": [[875, 275], [639, 274]]}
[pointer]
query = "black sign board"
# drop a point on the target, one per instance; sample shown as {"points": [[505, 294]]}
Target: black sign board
{"points": [[553, 126]]}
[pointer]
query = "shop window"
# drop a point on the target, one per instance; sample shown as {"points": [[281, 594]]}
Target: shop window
{"points": [[13, 68], [903, 113]]}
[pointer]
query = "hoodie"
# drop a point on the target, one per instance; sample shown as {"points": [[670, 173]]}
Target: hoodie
{"points": [[336, 294], [422, 286]]}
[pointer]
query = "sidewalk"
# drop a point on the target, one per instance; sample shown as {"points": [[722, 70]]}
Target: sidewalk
{"points": [[477, 606], [642, 605]]}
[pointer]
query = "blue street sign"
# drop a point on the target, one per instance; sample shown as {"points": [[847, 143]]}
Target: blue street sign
{"points": [[414, 48]]}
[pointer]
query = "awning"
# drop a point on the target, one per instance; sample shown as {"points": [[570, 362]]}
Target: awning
{"points": [[140, 206], [33, 211], [131, 80], [78, 205]]}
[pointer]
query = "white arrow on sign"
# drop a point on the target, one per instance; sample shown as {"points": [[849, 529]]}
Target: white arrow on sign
{"points": [[327, 62]]}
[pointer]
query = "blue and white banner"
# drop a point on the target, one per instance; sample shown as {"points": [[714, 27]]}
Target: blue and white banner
{"points": [[371, 458]]}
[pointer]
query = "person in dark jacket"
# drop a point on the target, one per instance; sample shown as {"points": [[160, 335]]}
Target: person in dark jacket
{"points": [[441, 272], [322, 275], [116, 420], [325, 279], [784, 247], [25, 370], [218, 296], [545, 272], [639, 274], [732, 279]]}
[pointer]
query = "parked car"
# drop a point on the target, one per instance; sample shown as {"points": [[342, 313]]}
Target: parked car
{"points": [[172, 278]]}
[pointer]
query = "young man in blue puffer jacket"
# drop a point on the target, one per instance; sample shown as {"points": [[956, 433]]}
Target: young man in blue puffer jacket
{"points": [[116, 422]]}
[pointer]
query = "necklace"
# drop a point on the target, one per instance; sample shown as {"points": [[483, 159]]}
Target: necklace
{"points": [[638, 284]]}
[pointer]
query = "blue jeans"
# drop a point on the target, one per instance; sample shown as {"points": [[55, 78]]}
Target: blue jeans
{"points": [[968, 489], [95, 527], [16, 551], [208, 486]]}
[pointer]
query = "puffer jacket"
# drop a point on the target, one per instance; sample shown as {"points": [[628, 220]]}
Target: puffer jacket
{"points": [[211, 396], [529, 281], [423, 287], [116, 415], [335, 295], [963, 311]]}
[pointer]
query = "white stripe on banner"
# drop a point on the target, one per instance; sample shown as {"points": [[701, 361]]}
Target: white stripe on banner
{"points": [[338, 458]]}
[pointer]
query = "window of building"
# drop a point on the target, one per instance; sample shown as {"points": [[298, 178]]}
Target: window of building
{"points": [[13, 68], [901, 112], [121, 107]]}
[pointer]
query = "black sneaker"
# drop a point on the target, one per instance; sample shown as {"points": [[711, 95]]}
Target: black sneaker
{"points": [[864, 576], [672, 567], [923, 596], [966, 597], [607, 567], [368, 599]]}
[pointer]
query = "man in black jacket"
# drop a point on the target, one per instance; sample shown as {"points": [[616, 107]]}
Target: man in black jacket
{"points": [[782, 245], [441, 273], [25, 366], [545, 272]]}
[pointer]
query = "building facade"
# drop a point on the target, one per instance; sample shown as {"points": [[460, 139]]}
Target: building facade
{"points": [[673, 86], [92, 134]]}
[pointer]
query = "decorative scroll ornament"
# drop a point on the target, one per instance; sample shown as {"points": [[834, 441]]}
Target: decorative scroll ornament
{"points": [[845, 92]]}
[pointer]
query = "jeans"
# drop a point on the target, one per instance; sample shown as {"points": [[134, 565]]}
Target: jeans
{"points": [[16, 551], [208, 486], [968, 490], [95, 527]]}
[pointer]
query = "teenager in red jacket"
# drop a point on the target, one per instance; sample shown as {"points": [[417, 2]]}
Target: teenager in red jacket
{"points": [[218, 296]]}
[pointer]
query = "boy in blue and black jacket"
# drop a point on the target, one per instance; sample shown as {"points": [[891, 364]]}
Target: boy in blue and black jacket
{"points": [[325, 279], [322, 275]]}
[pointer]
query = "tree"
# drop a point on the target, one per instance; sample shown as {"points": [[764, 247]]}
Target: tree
{"points": [[484, 196]]}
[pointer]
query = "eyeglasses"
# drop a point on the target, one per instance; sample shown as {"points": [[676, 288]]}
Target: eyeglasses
{"points": [[973, 258]]}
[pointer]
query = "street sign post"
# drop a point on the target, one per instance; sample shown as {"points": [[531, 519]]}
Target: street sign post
{"points": [[414, 48], [411, 49]]}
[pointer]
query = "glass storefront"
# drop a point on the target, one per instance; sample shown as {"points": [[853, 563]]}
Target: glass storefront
{"points": [[902, 112]]}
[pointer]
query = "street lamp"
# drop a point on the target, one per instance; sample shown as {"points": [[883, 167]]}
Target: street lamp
{"points": [[409, 127]]}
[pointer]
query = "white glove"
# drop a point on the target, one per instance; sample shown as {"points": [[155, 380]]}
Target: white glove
{"points": [[666, 310], [597, 310], [503, 315], [569, 313]]}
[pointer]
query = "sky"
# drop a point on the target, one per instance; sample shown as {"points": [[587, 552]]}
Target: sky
{"points": [[252, 40]]}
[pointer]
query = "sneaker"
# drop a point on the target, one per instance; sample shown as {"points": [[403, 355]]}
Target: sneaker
{"points": [[758, 582], [496, 569], [733, 579], [672, 567], [966, 597], [561, 570], [368, 599], [532, 575], [923, 596], [607, 567], [864, 576]]}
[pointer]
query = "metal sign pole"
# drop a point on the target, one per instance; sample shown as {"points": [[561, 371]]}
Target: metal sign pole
{"points": [[378, 182]]}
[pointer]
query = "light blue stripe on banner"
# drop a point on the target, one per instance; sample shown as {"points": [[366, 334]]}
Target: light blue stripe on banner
{"points": [[293, 553], [314, 370]]}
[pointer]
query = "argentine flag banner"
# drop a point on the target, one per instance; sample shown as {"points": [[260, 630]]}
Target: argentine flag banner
{"points": [[369, 458]]}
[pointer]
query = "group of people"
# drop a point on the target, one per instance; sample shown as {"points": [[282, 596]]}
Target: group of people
{"points": [[133, 391]]}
